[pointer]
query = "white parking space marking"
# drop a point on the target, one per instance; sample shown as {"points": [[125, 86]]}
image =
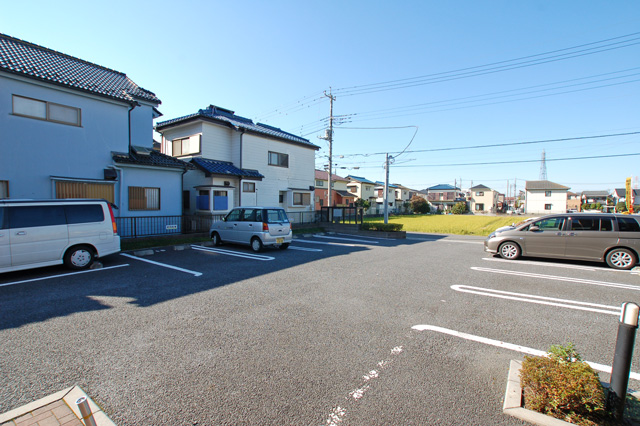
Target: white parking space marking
{"points": [[233, 253], [509, 346], [304, 249], [63, 275], [541, 300], [554, 265], [355, 240], [298, 240], [557, 278], [164, 265]]}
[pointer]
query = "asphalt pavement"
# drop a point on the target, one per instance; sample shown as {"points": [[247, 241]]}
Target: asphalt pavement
{"points": [[335, 330]]}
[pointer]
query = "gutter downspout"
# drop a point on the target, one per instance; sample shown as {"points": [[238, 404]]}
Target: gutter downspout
{"points": [[133, 105], [241, 178]]}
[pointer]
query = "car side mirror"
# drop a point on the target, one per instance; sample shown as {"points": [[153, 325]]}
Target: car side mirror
{"points": [[534, 228]]}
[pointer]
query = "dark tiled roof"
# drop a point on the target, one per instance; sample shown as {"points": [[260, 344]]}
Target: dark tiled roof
{"points": [[345, 193], [148, 157], [532, 185], [595, 193], [224, 168], [40, 63], [229, 117], [480, 187]]}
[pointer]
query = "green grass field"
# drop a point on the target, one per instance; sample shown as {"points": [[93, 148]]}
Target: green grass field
{"points": [[452, 224]]}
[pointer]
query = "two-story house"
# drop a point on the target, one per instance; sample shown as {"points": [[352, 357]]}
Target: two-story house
{"points": [[340, 195], [483, 199], [403, 197], [363, 188], [239, 162], [391, 197], [545, 197], [595, 197], [444, 196], [620, 196], [73, 129]]}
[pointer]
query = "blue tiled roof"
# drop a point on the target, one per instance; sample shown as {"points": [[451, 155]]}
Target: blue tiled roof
{"points": [[360, 179], [40, 63], [224, 168], [229, 117], [443, 187]]}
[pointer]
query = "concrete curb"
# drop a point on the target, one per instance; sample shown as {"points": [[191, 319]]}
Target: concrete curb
{"points": [[514, 402], [69, 396]]}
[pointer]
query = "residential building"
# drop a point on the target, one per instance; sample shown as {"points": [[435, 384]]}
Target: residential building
{"points": [[545, 197], [340, 195], [573, 202], [483, 199], [620, 196], [444, 196], [73, 129], [363, 188], [403, 196], [239, 162], [391, 197], [595, 197]]}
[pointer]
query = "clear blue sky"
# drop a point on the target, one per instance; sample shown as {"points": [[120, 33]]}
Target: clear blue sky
{"points": [[256, 57]]}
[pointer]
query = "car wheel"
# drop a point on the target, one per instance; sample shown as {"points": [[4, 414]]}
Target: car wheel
{"points": [[284, 246], [621, 258], [215, 238], [509, 250], [256, 244], [79, 257]]}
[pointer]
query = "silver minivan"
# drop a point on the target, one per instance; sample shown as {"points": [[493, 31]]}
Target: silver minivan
{"points": [[254, 226], [37, 233], [603, 237]]}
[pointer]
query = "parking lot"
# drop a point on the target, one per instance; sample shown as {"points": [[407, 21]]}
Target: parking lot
{"points": [[338, 329]]}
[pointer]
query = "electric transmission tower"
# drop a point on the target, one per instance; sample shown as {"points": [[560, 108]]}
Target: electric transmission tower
{"points": [[543, 167]]}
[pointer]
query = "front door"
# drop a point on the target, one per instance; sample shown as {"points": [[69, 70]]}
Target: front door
{"points": [[547, 240]]}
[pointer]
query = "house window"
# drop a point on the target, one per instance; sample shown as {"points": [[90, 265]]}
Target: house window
{"points": [[367, 188], [48, 111], [479, 194], [248, 187], [301, 199], [321, 201], [547, 193], [547, 206], [141, 198], [76, 189], [319, 182], [282, 196], [4, 189], [353, 189], [480, 207], [278, 159], [185, 146]]}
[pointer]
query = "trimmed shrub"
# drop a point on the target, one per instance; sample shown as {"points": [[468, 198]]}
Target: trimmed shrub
{"points": [[459, 208], [420, 205], [377, 226], [563, 386], [621, 207]]}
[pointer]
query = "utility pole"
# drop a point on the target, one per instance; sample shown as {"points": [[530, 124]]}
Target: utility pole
{"points": [[386, 189], [329, 137]]}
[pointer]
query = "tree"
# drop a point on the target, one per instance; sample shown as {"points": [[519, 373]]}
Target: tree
{"points": [[361, 202], [420, 205], [459, 208], [621, 207]]}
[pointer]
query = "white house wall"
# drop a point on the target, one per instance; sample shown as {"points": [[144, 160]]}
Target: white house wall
{"points": [[217, 141], [300, 173], [536, 200], [189, 130]]}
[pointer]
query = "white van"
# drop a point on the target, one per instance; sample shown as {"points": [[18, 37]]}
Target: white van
{"points": [[37, 233]]}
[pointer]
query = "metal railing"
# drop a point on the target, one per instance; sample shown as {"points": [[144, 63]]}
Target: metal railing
{"points": [[148, 226]]}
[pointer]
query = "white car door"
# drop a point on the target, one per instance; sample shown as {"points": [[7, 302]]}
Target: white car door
{"points": [[5, 249], [37, 234]]}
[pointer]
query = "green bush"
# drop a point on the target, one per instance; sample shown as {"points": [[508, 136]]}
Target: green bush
{"points": [[459, 208], [621, 207], [420, 205], [377, 226], [563, 386]]}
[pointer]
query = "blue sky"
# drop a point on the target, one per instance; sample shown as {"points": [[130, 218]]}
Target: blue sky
{"points": [[272, 61]]}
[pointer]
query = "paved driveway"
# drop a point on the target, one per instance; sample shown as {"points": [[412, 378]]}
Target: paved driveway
{"points": [[338, 330]]}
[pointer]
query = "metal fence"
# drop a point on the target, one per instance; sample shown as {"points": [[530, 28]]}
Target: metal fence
{"points": [[148, 226]]}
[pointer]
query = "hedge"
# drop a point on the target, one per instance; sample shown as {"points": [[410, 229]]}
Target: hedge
{"points": [[377, 226]]}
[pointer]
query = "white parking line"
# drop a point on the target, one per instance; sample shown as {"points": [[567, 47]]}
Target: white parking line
{"points": [[557, 278], [164, 265], [346, 239], [541, 300], [299, 240], [63, 275], [304, 249], [554, 265], [509, 346], [233, 253]]}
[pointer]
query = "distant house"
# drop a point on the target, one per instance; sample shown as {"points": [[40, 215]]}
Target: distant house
{"points": [[545, 197], [239, 163], [573, 201], [403, 195], [594, 197], [363, 188], [73, 129], [444, 196], [391, 197], [483, 199], [340, 195], [620, 196]]}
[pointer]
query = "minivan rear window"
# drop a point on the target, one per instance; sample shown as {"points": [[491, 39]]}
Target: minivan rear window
{"points": [[33, 216], [84, 213], [275, 216], [628, 224]]}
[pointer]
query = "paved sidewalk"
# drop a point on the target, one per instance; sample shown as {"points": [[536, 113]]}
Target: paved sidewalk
{"points": [[59, 409]]}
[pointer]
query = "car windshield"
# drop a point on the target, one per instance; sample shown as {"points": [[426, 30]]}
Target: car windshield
{"points": [[276, 216]]}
